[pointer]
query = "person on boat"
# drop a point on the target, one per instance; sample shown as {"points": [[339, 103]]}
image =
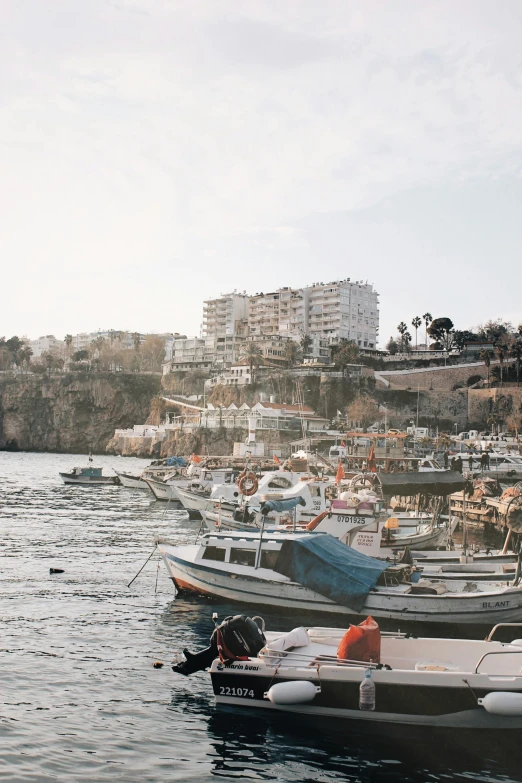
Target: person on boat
{"points": [[458, 464], [446, 459], [470, 460], [486, 461]]}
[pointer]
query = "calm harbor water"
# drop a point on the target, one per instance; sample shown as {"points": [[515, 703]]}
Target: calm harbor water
{"points": [[79, 697]]}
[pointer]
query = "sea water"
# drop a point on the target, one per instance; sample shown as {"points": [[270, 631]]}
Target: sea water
{"points": [[80, 699]]}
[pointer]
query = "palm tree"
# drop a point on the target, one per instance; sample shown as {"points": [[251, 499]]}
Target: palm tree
{"points": [[485, 356], [306, 343], [68, 340], [291, 353], [405, 336], [516, 353], [428, 318], [416, 323], [501, 351], [253, 353]]}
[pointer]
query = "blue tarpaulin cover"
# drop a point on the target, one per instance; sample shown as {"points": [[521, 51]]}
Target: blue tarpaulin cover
{"points": [[282, 505], [323, 564], [176, 462]]}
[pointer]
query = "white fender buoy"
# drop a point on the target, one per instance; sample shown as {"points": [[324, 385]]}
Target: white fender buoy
{"points": [[502, 703], [296, 692]]}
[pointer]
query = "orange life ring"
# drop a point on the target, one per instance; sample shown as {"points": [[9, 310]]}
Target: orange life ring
{"points": [[248, 484]]}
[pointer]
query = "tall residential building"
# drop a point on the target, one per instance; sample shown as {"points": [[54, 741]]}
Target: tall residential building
{"points": [[325, 311], [220, 316], [46, 343]]}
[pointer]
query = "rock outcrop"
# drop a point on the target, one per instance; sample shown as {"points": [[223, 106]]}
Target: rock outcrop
{"points": [[73, 413]]}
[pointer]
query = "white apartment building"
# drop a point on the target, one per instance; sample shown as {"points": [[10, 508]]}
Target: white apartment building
{"points": [[192, 353], [327, 312], [344, 310], [46, 343], [220, 316]]}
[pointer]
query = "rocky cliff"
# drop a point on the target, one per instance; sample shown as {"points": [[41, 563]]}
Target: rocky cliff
{"points": [[72, 413]]}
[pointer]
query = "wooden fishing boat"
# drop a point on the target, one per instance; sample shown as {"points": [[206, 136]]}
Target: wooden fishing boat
{"points": [[293, 572], [88, 476]]}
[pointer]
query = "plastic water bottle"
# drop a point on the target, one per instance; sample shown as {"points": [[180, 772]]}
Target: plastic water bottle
{"points": [[367, 692]]}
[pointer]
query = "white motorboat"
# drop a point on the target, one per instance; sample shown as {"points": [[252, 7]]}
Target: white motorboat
{"points": [[156, 471], [196, 478], [273, 484], [131, 481], [88, 476], [446, 683], [268, 570]]}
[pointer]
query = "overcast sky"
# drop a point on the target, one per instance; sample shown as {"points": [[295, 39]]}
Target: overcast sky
{"points": [[154, 153]]}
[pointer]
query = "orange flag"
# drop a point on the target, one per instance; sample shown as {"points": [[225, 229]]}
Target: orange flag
{"points": [[340, 473], [277, 460]]}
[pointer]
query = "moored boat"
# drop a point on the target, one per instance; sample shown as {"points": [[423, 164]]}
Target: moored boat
{"points": [[88, 476], [294, 572], [441, 682]]}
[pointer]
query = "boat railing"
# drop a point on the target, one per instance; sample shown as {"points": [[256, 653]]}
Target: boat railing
{"points": [[489, 637], [307, 658], [498, 652]]}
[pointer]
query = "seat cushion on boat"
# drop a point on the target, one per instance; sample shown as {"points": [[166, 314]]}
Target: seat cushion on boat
{"points": [[361, 642], [435, 666]]}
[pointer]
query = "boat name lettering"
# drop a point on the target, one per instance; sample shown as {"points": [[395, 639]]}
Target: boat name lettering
{"points": [[226, 691], [496, 605], [243, 667]]}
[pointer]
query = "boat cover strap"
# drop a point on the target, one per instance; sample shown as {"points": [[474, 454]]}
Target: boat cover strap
{"points": [[323, 564], [281, 505]]}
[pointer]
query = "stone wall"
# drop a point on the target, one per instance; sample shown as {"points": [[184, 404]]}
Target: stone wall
{"points": [[439, 378]]}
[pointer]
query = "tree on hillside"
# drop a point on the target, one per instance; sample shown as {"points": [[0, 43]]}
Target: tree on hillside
{"points": [[153, 352], [485, 356], [416, 323], [501, 352], [68, 340], [292, 353], [427, 318], [80, 356], [441, 330], [345, 352], [306, 343], [252, 352], [363, 412], [462, 337], [405, 337], [24, 356], [516, 353], [392, 346], [494, 330]]}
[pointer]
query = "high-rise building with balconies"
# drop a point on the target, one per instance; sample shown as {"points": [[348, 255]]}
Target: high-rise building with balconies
{"points": [[326, 311]]}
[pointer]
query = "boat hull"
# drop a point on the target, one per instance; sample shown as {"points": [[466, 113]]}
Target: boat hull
{"points": [[163, 491], [89, 481], [131, 482], [450, 608]]}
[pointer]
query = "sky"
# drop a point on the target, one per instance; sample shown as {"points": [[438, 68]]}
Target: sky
{"points": [[155, 153]]}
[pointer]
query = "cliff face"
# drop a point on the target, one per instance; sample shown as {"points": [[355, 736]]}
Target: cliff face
{"points": [[72, 413]]}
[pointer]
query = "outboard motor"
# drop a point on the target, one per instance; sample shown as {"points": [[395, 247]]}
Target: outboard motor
{"points": [[237, 638]]}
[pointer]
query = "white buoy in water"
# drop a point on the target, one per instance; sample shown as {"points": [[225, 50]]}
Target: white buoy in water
{"points": [[296, 692], [502, 703]]}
